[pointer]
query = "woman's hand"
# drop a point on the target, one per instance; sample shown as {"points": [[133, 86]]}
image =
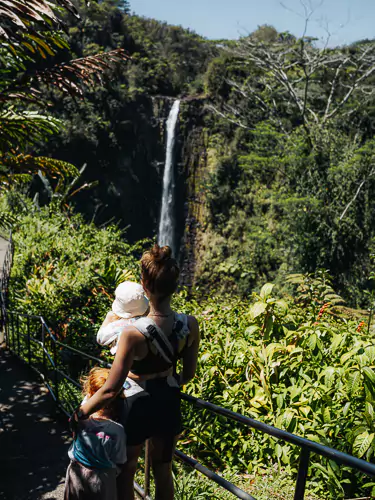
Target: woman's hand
{"points": [[74, 419]]}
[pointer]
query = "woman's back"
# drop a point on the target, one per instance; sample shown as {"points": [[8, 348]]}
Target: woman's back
{"points": [[171, 337]]}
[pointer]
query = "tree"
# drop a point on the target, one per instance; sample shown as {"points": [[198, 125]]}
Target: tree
{"points": [[32, 39], [289, 77], [317, 83]]}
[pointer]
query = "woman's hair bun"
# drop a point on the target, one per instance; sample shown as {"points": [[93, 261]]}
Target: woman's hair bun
{"points": [[160, 271], [160, 254]]}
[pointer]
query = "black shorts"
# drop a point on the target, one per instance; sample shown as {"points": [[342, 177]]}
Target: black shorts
{"points": [[155, 412]]}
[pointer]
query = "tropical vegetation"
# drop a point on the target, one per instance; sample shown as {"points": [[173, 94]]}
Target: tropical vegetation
{"points": [[296, 361], [277, 234]]}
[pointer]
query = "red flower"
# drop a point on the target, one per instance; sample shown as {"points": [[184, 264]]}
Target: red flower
{"points": [[360, 326], [322, 309]]}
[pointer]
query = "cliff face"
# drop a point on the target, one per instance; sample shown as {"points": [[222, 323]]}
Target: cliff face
{"points": [[124, 150], [203, 145], [192, 172], [130, 189], [125, 154]]}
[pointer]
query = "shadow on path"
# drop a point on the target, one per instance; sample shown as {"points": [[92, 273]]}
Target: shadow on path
{"points": [[33, 440]]}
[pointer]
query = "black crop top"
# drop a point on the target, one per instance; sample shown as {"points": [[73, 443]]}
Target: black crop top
{"points": [[154, 362]]}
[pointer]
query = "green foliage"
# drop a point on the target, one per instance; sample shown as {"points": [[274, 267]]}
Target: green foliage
{"points": [[292, 365], [67, 270], [287, 361], [274, 484], [32, 41], [277, 207]]}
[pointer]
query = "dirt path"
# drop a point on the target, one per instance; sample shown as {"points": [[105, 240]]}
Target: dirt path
{"points": [[33, 440]]}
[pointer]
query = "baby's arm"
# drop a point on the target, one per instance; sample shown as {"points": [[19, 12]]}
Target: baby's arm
{"points": [[104, 335], [111, 316]]}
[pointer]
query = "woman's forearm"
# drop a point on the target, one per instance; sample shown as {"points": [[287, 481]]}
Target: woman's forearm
{"points": [[116, 377], [103, 397]]}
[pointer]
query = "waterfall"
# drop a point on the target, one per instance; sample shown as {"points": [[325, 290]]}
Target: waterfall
{"points": [[167, 219]]}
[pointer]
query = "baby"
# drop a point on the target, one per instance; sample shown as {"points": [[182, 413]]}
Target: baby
{"points": [[98, 449], [130, 304]]}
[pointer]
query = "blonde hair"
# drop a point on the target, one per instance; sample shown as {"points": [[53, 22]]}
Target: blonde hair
{"points": [[160, 271], [94, 381]]}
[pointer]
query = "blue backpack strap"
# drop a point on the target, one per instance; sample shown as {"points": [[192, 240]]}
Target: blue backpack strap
{"points": [[157, 337]]}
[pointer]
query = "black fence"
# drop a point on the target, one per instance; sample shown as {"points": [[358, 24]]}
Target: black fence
{"points": [[30, 338]]}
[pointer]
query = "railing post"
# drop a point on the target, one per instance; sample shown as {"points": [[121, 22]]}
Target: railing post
{"points": [[3, 335], [147, 468], [28, 340], [6, 326], [18, 335], [13, 340], [302, 474], [56, 375], [44, 347]]}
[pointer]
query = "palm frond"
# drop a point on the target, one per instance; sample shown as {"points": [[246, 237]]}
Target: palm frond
{"points": [[25, 127], [72, 77], [31, 27], [19, 16], [28, 165]]}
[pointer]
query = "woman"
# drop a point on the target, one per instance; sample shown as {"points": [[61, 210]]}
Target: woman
{"points": [[148, 351]]}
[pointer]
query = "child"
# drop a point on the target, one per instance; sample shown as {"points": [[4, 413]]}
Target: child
{"points": [[99, 446], [130, 304]]}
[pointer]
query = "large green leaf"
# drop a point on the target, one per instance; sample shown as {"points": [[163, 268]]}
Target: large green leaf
{"points": [[311, 341], [348, 355], [369, 374], [362, 443], [370, 353], [287, 418], [329, 376], [266, 290], [257, 309], [354, 382], [369, 414]]}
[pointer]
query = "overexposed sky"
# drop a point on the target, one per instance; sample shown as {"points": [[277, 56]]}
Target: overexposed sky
{"points": [[346, 20]]}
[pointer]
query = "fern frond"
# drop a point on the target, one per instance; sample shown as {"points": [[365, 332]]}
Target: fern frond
{"points": [[6, 219], [26, 127], [27, 164], [73, 76]]}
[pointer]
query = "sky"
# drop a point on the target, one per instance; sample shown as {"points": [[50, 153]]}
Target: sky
{"points": [[345, 20]]}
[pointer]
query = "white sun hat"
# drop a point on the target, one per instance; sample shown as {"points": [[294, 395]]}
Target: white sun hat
{"points": [[130, 300]]}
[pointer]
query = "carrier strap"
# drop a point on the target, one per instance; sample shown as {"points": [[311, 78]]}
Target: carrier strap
{"points": [[157, 337]]}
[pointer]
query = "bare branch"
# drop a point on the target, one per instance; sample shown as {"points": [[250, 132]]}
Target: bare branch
{"points": [[227, 118], [356, 194], [352, 89]]}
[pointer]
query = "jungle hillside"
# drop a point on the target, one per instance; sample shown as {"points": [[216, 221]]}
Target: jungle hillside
{"points": [[273, 215]]}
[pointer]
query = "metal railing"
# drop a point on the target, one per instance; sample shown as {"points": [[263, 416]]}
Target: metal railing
{"points": [[49, 357]]}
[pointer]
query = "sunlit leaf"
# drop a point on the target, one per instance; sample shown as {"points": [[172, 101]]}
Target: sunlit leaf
{"points": [[266, 290], [362, 443]]}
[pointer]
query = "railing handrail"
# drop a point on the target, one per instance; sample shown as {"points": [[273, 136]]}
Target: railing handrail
{"points": [[306, 445], [331, 453], [319, 449]]}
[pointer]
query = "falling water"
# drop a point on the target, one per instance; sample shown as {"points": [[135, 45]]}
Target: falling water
{"points": [[167, 221]]}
